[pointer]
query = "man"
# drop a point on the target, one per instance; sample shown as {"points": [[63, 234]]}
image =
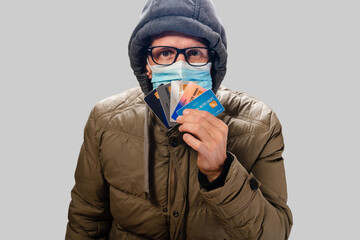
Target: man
{"points": [[205, 178]]}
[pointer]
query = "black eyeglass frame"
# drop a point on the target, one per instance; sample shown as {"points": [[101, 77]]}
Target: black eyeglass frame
{"points": [[211, 53]]}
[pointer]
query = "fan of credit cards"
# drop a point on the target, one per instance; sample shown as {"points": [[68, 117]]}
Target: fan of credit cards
{"points": [[170, 100]]}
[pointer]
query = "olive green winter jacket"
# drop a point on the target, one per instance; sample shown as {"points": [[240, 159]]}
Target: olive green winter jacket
{"points": [[109, 201]]}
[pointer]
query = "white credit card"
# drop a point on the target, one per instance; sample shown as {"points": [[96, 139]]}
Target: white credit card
{"points": [[177, 90]]}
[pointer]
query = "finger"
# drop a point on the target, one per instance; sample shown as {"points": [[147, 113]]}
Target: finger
{"points": [[203, 120], [196, 116], [194, 143], [194, 119], [194, 124], [214, 121], [197, 130]]}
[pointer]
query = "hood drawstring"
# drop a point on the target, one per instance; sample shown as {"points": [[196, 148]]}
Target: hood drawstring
{"points": [[146, 153]]}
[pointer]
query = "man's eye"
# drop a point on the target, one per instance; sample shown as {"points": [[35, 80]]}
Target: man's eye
{"points": [[165, 54], [194, 53]]}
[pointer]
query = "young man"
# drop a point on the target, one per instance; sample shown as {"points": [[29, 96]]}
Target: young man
{"points": [[206, 178]]}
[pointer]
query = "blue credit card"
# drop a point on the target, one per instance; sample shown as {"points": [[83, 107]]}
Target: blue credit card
{"points": [[205, 102]]}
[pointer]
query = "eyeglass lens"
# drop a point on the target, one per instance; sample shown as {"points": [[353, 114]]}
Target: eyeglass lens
{"points": [[167, 55]]}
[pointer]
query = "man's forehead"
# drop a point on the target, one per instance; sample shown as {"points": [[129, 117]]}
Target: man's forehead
{"points": [[172, 35]]}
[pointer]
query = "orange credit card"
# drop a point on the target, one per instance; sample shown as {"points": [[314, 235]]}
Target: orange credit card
{"points": [[191, 92]]}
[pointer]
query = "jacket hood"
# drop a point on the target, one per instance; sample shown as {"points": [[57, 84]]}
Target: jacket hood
{"points": [[193, 17]]}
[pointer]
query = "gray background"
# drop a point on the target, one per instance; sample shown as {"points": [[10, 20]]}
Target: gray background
{"points": [[58, 58]]}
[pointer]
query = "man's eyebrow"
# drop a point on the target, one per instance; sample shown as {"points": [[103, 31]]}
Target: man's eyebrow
{"points": [[204, 41]]}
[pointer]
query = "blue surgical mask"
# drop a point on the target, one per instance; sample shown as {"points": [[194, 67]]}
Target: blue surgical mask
{"points": [[181, 71]]}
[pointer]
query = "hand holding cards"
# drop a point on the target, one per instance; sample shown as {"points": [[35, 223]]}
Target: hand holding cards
{"points": [[170, 100]]}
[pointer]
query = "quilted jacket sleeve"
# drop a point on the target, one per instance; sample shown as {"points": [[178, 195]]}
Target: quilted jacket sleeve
{"points": [[89, 215], [253, 205]]}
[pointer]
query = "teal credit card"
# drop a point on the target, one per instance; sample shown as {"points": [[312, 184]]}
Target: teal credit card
{"points": [[205, 102]]}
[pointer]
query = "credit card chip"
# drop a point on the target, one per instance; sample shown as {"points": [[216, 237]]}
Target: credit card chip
{"points": [[213, 104]]}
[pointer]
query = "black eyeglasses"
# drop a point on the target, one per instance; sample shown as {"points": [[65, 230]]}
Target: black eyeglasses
{"points": [[195, 56]]}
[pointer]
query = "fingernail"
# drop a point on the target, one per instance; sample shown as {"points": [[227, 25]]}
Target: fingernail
{"points": [[179, 118], [186, 111]]}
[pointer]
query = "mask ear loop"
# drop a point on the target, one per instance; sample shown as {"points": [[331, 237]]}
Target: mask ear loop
{"points": [[147, 61]]}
